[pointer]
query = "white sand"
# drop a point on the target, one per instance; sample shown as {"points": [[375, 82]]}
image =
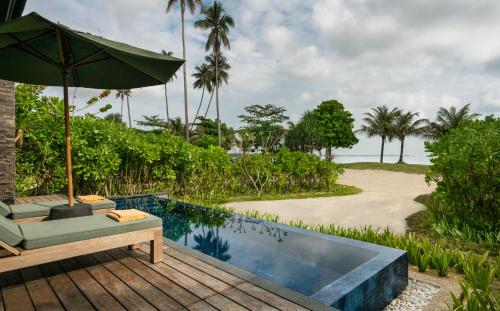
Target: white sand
{"points": [[386, 200]]}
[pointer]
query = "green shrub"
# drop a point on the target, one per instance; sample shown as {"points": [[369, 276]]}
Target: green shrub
{"points": [[466, 168]]}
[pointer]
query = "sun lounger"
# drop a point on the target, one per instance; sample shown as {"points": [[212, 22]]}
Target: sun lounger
{"points": [[35, 212], [43, 242]]}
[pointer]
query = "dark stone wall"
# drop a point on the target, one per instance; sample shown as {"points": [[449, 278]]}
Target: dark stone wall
{"points": [[7, 142]]}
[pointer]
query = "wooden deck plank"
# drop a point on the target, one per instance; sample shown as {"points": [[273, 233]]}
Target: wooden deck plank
{"points": [[207, 268], [201, 306], [223, 303], [268, 297], [41, 293], [67, 292], [124, 294], [97, 295], [176, 277], [144, 268], [181, 270], [15, 295], [247, 301], [150, 293]]}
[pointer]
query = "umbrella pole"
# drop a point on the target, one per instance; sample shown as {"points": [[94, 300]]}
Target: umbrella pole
{"points": [[69, 164]]}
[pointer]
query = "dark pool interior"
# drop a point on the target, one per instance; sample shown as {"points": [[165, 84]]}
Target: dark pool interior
{"points": [[295, 260]]}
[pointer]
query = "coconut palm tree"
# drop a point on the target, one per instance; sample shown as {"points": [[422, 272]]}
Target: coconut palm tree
{"points": [[122, 94], [218, 22], [222, 69], [191, 6], [169, 53], [380, 122], [203, 76], [448, 119], [176, 127], [407, 124]]}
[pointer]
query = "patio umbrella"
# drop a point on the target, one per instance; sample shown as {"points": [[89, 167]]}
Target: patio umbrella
{"points": [[37, 51]]}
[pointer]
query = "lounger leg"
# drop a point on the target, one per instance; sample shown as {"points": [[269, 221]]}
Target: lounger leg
{"points": [[156, 247], [134, 246]]}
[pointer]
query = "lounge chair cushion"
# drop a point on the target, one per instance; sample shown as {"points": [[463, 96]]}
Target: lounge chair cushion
{"points": [[41, 209], [10, 232], [4, 209], [56, 232]]}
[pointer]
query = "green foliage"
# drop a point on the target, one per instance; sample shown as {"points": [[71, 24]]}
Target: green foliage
{"points": [[112, 159], [477, 288], [394, 167], [286, 172], [446, 120], [264, 123], [334, 125], [304, 135], [466, 168], [155, 122]]}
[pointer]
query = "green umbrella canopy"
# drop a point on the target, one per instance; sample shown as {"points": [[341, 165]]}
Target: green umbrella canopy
{"points": [[10, 9], [30, 52], [37, 51]]}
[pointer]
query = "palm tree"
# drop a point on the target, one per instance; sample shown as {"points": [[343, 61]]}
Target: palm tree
{"points": [[222, 69], [176, 126], [406, 125], [448, 119], [218, 22], [169, 53], [380, 123], [191, 5], [203, 76], [122, 94]]}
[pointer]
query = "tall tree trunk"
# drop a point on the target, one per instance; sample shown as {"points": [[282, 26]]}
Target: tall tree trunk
{"points": [[328, 153], [382, 150], [199, 106], [7, 142], [166, 102], [129, 116], [186, 116], [121, 111], [217, 95], [209, 103], [401, 151]]}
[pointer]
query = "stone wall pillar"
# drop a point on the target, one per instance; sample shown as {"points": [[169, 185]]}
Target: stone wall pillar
{"points": [[7, 142]]}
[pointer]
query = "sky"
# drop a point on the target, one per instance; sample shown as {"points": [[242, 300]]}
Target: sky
{"points": [[417, 55]]}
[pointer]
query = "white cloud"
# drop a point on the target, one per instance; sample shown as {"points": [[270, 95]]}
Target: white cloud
{"points": [[418, 55]]}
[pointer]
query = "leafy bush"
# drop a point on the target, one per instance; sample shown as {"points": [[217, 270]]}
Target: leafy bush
{"points": [[111, 159], [466, 168]]}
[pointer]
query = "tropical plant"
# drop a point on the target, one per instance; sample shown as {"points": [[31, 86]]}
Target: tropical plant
{"points": [[115, 118], [304, 135], [206, 134], [406, 125], [265, 124], [334, 125], [222, 73], [191, 6], [176, 127], [154, 122], [218, 22], [122, 94], [380, 122], [169, 53], [203, 80], [448, 119], [465, 167]]}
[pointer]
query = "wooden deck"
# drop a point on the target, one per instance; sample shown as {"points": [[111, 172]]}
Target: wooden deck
{"points": [[123, 279]]}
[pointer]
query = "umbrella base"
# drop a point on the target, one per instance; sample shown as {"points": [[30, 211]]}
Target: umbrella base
{"points": [[64, 211]]}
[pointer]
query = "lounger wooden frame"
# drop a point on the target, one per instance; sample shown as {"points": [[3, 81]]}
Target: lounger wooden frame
{"points": [[21, 258]]}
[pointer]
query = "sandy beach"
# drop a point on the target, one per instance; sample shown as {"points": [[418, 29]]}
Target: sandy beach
{"points": [[387, 199]]}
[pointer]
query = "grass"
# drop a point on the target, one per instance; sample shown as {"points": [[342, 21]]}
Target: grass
{"points": [[394, 167], [420, 223], [340, 190]]}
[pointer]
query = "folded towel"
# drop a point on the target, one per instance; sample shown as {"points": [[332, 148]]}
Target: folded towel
{"points": [[126, 215], [89, 198]]}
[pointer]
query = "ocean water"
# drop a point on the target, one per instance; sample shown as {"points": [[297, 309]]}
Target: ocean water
{"points": [[390, 158]]}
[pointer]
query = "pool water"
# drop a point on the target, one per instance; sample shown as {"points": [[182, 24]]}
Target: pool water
{"points": [[287, 256]]}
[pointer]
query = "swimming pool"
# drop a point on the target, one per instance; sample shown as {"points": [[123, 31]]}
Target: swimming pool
{"points": [[342, 273]]}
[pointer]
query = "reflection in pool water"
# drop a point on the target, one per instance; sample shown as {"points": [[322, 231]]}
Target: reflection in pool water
{"points": [[291, 259]]}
